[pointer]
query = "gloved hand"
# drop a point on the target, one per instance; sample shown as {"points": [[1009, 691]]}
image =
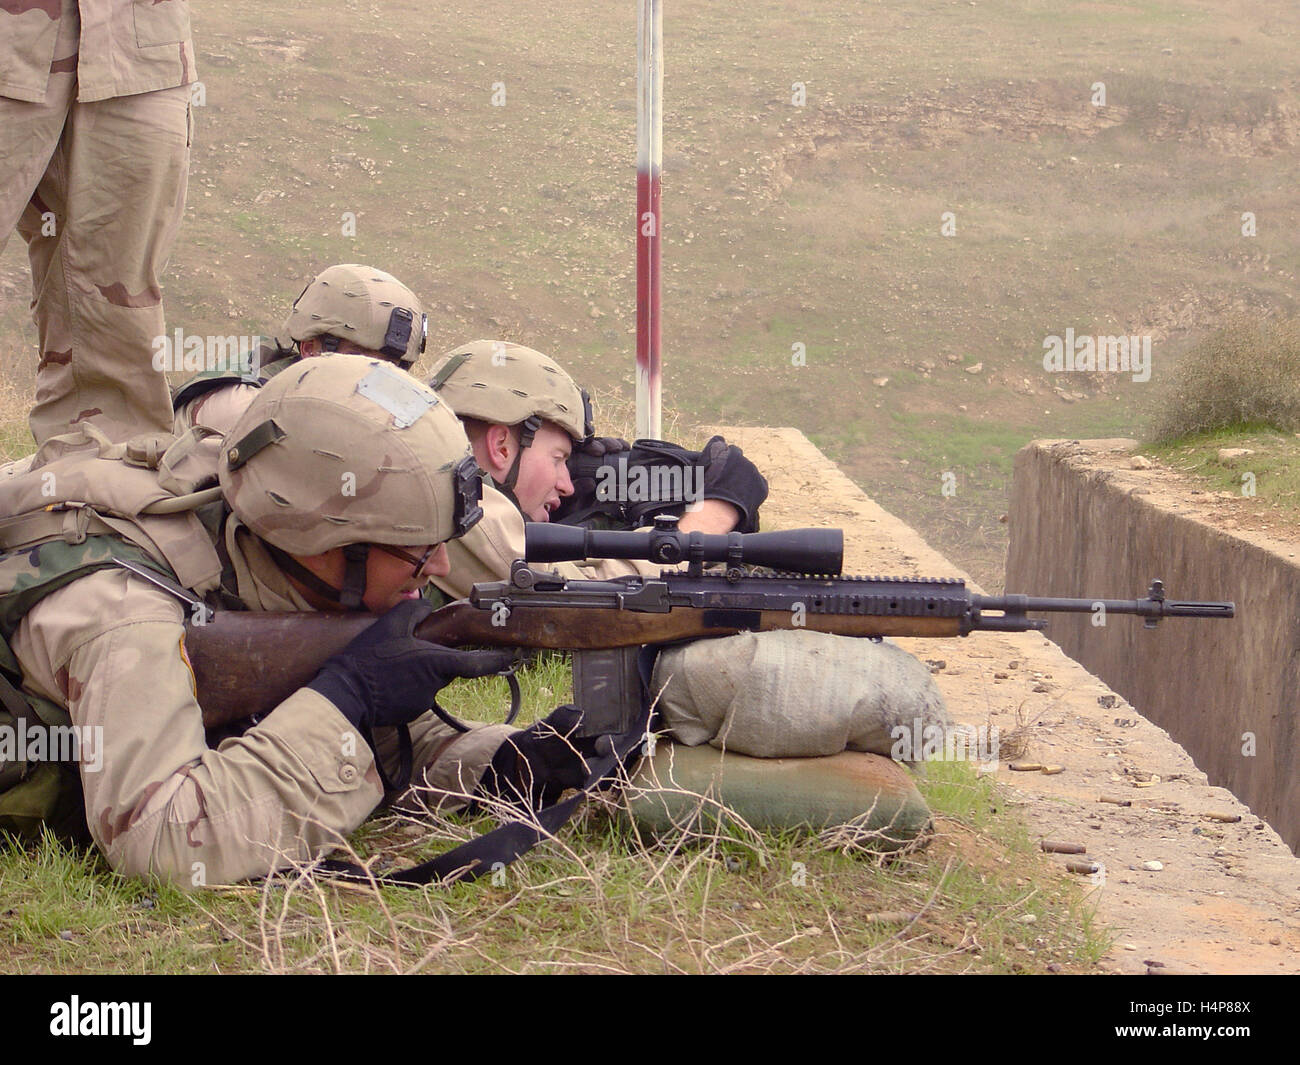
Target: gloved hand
{"points": [[388, 677], [731, 477], [536, 765], [600, 446]]}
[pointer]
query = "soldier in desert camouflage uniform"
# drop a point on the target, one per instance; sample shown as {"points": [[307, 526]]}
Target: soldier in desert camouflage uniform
{"points": [[98, 645], [524, 415], [346, 309], [796, 691], [94, 160]]}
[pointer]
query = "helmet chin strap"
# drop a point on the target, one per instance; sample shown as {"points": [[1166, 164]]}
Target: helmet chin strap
{"points": [[354, 576], [350, 596]]}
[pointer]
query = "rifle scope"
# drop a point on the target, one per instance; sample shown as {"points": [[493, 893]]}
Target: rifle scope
{"points": [[819, 551]]}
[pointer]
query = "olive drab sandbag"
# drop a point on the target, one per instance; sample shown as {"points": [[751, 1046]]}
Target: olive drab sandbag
{"points": [[795, 694], [679, 788]]}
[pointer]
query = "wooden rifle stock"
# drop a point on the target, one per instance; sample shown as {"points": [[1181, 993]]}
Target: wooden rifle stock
{"points": [[246, 663]]}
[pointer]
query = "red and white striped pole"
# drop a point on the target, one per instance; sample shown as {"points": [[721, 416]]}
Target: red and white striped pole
{"points": [[649, 157]]}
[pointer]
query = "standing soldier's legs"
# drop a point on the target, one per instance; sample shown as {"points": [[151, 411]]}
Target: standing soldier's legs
{"points": [[115, 188], [30, 136]]}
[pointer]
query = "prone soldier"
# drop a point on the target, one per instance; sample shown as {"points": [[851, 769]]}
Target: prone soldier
{"points": [[524, 417], [95, 587], [773, 695]]}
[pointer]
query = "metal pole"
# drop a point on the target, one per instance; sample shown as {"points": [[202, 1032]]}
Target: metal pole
{"points": [[649, 157]]}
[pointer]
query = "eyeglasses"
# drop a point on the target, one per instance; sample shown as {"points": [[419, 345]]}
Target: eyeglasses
{"points": [[406, 556]]}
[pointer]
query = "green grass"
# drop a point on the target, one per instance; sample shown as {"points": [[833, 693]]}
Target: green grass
{"points": [[602, 897], [1267, 482], [961, 442]]}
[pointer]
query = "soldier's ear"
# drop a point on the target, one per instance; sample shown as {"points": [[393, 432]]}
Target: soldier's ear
{"points": [[499, 447]]}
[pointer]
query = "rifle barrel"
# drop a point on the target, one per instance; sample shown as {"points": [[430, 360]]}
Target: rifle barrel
{"points": [[1154, 607]]}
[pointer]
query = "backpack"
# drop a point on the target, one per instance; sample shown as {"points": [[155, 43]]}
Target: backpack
{"points": [[88, 504]]}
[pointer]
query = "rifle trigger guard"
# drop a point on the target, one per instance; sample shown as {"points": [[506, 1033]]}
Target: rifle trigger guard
{"points": [[515, 701], [515, 698]]}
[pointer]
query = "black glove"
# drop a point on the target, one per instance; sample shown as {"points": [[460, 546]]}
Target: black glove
{"points": [[388, 677], [732, 478], [719, 471], [536, 765], [600, 446]]}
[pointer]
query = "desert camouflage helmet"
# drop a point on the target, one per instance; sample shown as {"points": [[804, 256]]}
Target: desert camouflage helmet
{"points": [[363, 305], [508, 384], [349, 450]]}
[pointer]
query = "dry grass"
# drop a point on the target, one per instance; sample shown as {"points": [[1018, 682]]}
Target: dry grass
{"points": [[15, 438], [615, 415], [713, 895], [1245, 374]]}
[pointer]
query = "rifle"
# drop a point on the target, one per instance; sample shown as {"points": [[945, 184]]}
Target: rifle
{"points": [[605, 622]]}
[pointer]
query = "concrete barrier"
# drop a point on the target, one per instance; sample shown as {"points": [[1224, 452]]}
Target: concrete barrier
{"points": [[1083, 523]]}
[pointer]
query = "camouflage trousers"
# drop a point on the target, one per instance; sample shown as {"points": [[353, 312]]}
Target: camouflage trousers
{"points": [[97, 191]]}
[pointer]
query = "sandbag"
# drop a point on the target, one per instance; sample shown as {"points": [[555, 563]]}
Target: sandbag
{"points": [[680, 788], [794, 693]]}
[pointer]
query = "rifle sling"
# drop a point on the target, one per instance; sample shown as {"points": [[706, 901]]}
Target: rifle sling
{"points": [[405, 761], [498, 848]]}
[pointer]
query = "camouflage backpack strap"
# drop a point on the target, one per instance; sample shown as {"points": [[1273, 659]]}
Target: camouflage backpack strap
{"points": [[37, 790], [29, 574], [214, 517], [276, 366]]}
